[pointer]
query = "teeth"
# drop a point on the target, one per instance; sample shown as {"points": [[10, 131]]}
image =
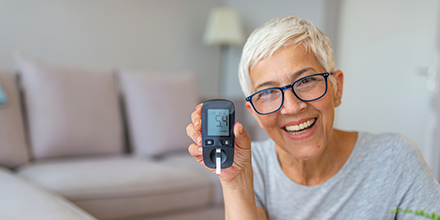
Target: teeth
{"points": [[304, 125]]}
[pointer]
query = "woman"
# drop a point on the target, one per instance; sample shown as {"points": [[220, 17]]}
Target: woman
{"points": [[308, 169]]}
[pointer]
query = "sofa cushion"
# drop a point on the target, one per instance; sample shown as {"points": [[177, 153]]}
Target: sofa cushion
{"points": [[121, 187], [188, 162], [20, 200], [211, 213], [13, 146], [158, 109], [70, 111]]}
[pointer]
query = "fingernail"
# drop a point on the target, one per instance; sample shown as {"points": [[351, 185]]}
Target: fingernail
{"points": [[198, 106], [199, 140], [200, 149], [196, 123], [240, 129]]}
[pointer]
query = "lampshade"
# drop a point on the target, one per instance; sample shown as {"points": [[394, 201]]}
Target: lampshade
{"points": [[223, 28]]}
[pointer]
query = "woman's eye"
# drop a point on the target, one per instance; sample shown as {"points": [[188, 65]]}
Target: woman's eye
{"points": [[266, 94], [305, 80]]}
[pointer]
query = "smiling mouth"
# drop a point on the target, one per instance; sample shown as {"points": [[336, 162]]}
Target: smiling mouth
{"points": [[300, 128]]}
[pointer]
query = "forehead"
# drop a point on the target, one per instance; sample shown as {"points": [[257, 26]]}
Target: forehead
{"points": [[284, 66]]}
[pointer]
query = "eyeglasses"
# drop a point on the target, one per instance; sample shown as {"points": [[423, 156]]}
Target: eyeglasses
{"points": [[306, 89]]}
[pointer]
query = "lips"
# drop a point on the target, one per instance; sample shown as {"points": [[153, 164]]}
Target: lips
{"points": [[300, 128]]}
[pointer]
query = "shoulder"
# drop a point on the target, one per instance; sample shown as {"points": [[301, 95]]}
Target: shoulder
{"points": [[387, 139], [388, 143], [399, 145], [390, 148]]}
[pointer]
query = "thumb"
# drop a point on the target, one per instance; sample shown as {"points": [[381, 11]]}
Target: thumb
{"points": [[242, 139]]}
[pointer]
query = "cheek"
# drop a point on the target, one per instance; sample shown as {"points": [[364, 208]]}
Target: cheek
{"points": [[269, 122], [328, 112]]}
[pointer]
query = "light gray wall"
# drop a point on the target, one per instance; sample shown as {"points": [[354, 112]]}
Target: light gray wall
{"points": [[383, 47], [140, 35]]}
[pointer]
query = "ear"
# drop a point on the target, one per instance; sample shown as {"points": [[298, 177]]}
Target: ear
{"points": [[339, 76], [253, 113]]}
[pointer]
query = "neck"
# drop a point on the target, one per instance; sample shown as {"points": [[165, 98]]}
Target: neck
{"points": [[318, 170]]}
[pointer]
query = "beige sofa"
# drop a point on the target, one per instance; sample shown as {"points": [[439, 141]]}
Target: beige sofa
{"points": [[84, 144]]}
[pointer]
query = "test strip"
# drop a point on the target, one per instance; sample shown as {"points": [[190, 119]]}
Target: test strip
{"points": [[218, 161]]}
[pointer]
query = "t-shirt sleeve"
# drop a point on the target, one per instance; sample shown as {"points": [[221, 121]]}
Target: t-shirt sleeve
{"points": [[416, 186], [258, 164]]}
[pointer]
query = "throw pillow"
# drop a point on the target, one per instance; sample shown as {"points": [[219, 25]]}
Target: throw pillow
{"points": [[70, 111], [158, 109]]}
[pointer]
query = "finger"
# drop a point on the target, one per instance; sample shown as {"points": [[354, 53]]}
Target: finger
{"points": [[199, 106], [195, 135], [242, 139], [196, 117], [196, 152], [197, 114]]}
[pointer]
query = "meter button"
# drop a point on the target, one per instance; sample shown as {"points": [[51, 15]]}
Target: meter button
{"points": [[209, 142], [226, 142]]}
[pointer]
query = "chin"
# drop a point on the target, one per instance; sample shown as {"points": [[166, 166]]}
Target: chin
{"points": [[308, 154]]}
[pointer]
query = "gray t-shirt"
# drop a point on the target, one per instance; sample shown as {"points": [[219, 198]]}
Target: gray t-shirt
{"points": [[384, 172]]}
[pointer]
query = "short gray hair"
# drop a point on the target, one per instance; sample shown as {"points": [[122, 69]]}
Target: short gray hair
{"points": [[281, 32]]}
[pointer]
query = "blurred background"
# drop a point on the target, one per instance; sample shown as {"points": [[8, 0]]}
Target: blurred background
{"points": [[388, 50]]}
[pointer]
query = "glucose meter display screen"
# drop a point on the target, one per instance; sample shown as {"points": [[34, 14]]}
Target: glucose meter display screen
{"points": [[218, 122]]}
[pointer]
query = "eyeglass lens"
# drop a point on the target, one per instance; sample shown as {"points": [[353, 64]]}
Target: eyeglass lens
{"points": [[306, 89]]}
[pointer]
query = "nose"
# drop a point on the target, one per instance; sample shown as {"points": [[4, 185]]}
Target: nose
{"points": [[292, 105]]}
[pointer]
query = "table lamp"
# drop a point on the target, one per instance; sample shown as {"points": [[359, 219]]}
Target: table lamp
{"points": [[223, 29]]}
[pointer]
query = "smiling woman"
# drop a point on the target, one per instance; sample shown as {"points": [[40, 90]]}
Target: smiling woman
{"points": [[307, 169]]}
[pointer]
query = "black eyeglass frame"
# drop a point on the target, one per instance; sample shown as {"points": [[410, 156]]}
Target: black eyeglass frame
{"points": [[325, 75]]}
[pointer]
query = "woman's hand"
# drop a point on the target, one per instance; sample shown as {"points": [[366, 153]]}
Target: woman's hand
{"points": [[242, 148], [237, 180]]}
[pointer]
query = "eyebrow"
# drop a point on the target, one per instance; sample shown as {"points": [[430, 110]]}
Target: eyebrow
{"points": [[273, 83]]}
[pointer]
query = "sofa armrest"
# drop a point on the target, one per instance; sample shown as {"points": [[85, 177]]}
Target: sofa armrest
{"points": [[23, 200]]}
